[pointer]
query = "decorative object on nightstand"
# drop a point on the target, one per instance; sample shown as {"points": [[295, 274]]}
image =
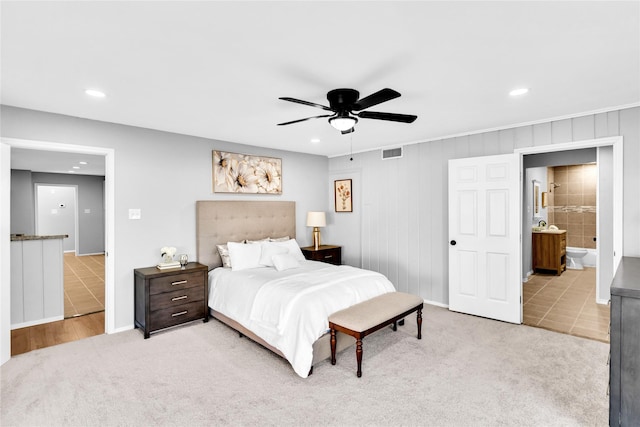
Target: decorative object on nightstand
{"points": [[316, 220], [165, 298], [325, 253], [167, 253]]}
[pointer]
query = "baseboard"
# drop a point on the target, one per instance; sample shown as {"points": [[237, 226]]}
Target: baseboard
{"points": [[36, 322], [123, 329], [437, 304], [89, 254]]}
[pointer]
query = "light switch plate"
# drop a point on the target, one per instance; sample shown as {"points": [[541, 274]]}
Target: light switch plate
{"points": [[135, 214]]}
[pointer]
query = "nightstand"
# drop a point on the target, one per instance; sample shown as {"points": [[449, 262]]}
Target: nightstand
{"points": [[165, 298], [325, 253]]}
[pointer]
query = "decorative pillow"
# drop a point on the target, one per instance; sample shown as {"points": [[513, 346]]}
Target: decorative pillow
{"points": [[279, 239], [292, 248], [223, 250], [244, 256], [266, 239], [268, 251], [285, 262]]}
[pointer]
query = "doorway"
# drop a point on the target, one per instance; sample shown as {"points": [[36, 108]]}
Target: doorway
{"points": [[584, 198], [56, 212], [5, 170]]}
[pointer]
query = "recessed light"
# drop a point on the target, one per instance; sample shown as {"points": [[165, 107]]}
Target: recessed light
{"points": [[72, 171], [96, 93], [315, 140], [82, 163], [76, 167], [519, 91]]}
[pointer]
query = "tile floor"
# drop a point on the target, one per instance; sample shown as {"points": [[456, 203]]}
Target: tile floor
{"points": [[83, 284], [566, 304]]}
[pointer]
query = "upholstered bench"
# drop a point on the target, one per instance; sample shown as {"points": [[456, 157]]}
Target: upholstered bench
{"points": [[369, 316]]}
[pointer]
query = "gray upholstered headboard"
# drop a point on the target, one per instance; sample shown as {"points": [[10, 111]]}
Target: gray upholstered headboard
{"points": [[219, 222]]}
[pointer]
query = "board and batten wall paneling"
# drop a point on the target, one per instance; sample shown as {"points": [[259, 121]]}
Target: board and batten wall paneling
{"points": [[405, 201]]}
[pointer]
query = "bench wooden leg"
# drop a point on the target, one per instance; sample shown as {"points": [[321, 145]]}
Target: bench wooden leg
{"points": [[359, 356], [395, 326], [333, 346], [419, 316]]}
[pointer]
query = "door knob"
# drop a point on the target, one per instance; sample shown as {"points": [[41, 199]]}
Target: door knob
{"points": [[453, 242]]}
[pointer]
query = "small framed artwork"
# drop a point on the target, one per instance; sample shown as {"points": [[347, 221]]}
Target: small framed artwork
{"points": [[343, 195], [243, 173]]}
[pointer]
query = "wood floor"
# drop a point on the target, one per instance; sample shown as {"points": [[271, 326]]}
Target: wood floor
{"points": [[53, 333]]}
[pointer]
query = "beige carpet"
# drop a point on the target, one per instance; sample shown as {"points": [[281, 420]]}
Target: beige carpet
{"points": [[466, 371]]}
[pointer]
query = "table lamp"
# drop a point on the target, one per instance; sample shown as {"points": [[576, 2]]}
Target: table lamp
{"points": [[316, 220]]}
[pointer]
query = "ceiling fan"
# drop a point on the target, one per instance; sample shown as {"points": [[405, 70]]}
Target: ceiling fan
{"points": [[346, 108]]}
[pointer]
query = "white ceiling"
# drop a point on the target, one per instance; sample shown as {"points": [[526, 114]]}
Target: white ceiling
{"points": [[216, 69]]}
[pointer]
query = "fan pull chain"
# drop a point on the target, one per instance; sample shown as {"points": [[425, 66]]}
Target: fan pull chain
{"points": [[351, 143]]}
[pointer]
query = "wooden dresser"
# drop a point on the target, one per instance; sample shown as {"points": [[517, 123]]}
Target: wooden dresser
{"points": [[165, 298], [624, 368], [549, 250], [325, 253]]}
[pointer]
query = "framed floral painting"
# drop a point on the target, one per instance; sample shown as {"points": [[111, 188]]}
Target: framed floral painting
{"points": [[242, 173], [343, 195]]}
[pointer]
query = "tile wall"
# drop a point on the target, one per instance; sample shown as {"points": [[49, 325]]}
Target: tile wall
{"points": [[572, 204]]}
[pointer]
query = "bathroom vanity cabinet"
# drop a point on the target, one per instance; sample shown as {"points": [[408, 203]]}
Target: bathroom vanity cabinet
{"points": [[549, 250], [624, 368]]}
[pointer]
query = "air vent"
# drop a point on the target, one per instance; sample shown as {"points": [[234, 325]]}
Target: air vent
{"points": [[392, 153]]}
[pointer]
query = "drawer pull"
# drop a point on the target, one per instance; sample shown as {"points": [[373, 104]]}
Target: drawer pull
{"points": [[179, 298], [328, 256], [179, 282], [179, 314]]}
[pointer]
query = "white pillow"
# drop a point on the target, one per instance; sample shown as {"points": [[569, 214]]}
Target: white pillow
{"points": [[285, 261], [266, 239], [292, 248], [223, 250], [268, 251], [279, 239], [244, 256]]}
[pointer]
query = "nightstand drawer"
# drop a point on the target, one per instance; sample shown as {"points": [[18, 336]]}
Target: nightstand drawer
{"points": [[175, 282], [177, 297], [176, 315], [325, 253]]}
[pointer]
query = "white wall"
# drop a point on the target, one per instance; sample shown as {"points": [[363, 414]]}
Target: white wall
{"points": [[404, 201], [164, 174]]}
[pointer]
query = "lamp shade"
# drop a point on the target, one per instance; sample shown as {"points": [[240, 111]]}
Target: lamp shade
{"points": [[343, 123], [316, 219]]}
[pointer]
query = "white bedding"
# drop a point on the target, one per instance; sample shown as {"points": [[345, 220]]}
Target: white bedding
{"points": [[289, 309]]}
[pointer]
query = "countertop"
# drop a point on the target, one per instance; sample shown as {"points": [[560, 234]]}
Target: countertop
{"points": [[550, 231], [21, 237], [626, 282]]}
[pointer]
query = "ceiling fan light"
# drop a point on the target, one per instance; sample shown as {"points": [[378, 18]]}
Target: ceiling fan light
{"points": [[343, 123]]}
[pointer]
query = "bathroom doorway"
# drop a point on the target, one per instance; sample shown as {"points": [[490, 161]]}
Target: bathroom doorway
{"points": [[571, 183]]}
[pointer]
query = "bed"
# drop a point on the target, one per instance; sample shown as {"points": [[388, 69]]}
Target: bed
{"points": [[284, 309]]}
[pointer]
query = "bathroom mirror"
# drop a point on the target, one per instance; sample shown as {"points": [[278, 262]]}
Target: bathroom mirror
{"points": [[536, 198]]}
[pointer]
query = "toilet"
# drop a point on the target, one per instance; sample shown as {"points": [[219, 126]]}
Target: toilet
{"points": [[574, 258]]}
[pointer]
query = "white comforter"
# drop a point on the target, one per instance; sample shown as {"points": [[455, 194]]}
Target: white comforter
{"points": [[289, 309]]}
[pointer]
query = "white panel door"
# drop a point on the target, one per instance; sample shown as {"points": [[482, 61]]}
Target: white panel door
{"points": [[484, 237]]}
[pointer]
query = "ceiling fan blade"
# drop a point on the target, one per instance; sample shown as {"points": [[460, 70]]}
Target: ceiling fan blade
{"points": [[380, 96], [302, 120], [310, 104], [392, 117], [344, 132]]}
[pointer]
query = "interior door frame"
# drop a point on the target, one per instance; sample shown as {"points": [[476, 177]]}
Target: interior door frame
{"points": [[618, 181], [5, 262]]}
